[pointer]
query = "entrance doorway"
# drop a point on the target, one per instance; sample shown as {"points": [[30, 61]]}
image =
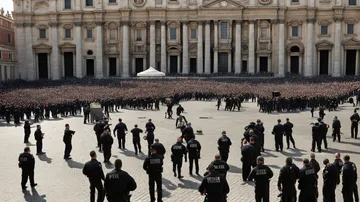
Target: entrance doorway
{"points": [[90, 67], [69, 64], [244, 66], [294, 64], [350, 62], [223, 62], [112, 66], [263, 64], [324, 62], [43, 65], [139, 65], [193, 65], [173, 64]]}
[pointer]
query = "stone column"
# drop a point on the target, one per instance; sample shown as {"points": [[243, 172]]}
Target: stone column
{"points": [[238, 56], [216, 46], [8, 70], [77, 5], [125, 53], [357, 63], [200, 56], [207, 48], [310, 48], [55, 57], [163, 46], [20, 47], [185, 52], [79, 55], [3, 69], [251, 47], [31, 73], [99, 51], [337, 49], [281, 70], [152, 45]]}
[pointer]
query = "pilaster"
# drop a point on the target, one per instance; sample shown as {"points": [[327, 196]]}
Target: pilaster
{"points": [[185, 53]]}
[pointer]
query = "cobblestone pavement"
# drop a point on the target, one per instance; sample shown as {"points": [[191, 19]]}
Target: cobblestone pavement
{"points": [[63, 181]]}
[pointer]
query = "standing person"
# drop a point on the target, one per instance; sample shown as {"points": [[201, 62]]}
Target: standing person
{"points": [[160, 149], [349, 179], [307, 183], [94, 172], [312, 112], [338, 163], [259, 128], [288, 126], [355, 118], [218, 103], [321, 113], [224, 144], [316, 137], [153, 165], [323, 131], [27, 131], [336, 125], [178, 150], [220, 166], [136, 138], [150, 128], [248, 153], [287, 179], [67, 140], [121, 129], [278, 131], [194, 148], [314, 164], [99, 129], [118, 184], [331, 179], [106, 141], [39, 136], [27, 165], [262, 175], [214, 186]]}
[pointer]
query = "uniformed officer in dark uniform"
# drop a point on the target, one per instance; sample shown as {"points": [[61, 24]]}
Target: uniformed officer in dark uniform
{"points": [[194, 148], [160, 149], [287, 179], [323, 131], [67, 140], [178, 151], [220, 166], [278, 132], [288, 126], [248, 153], [153, 165], [259, 128], [316, 137], [336, 125], [355, 118], [118, 184], [121, 130], [27, 165], [262, 175], [150, 128], [106, 141], [136, 138], [338, 163], [224, 144], [215, 186], [39, 137], [307, 183], [331, 179], [99, 129], [349, 179], [94, 172], [27, 131]]}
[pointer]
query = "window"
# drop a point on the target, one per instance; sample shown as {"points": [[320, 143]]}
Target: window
{"points": [[89, 3], [294, 31], [263, 32], [10, 56], [350, 28], [172, 34], [112, 1], [224, 30], [324, 30], [42, 33], [138, 35], [67, 33], [0, 54], [352, 2], [113, 34], [9, 38], [9, 24], [193, 33], [67, 4], [294, 1], [89, 34]]}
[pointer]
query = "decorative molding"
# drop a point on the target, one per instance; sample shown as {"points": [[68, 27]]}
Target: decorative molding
{"points": [[173, 24], [29, 24], [163, 22], [351, 20], [139, 3], [53, 24], [264, 2], [78, 24], [67, 26], [125, 22], [89, 25], [295, 43], [111, 25], [42, 26], [295, 22], [38, 4], [281, 21], [310, 20], [99, 23], [207, 21], [19, 25], [252, 21], [325, 22], [238, 22], [185, 22]]}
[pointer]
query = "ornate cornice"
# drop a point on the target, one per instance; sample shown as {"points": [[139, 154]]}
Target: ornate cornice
{"points": [[125, 22], [53, 24], [19, 24], [78, 24], [311, 20], [338, 18], [252, 21], [29, 24], [99, 23], [185, 22], [274, 21]]}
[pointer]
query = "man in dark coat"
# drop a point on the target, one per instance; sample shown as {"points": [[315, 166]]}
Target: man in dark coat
{"points": [[121, 130], [336, 125], [136, 138], [278, 132], [27, 164], [150, 128], [67, 140], [39, 137], [288, 126], [106, 141], [94, 172], [355, 118]]}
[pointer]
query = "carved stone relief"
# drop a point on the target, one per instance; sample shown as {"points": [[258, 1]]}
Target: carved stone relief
{"points": [[139, 3], [264, 2]]}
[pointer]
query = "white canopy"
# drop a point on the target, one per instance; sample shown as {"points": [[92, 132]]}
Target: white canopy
{"points": [[151, 72]]}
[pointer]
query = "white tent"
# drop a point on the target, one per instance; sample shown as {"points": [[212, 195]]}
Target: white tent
{"points": [[151, 72]]}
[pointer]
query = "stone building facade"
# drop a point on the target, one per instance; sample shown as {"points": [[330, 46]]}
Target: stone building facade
{"points": [[102, 38], [8, 68]]}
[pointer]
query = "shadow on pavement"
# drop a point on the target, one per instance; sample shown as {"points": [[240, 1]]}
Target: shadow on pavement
{"points": [[187, 184], [234, 169], [128, 153], [168, 184], [43, 157], [74, 164], [34, 197]]}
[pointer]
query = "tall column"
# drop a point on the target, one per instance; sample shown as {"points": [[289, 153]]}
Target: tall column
{"points": [[185, 52], [200, 57], [20, 47], [251, 47], [79, 55], [357, 63], [310, 48], [163, 46], [77, 5], [55, 57], [125, 54], [207, 48], [31, 73], [216, 46], [3, 69], [337, 49], [281, 70], [99, 50], [238, 59], [152, 45]]}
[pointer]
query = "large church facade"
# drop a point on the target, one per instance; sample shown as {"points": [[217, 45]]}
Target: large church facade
{"points": [[105, 38]]}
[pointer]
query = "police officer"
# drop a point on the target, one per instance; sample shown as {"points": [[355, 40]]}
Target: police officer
{"points": [[94, 172], [323, 130], [287, 179], [178, 150], [220, 166], [248, 153], [215, 186], [349, 179], [153, 165], [188, 133], [338, 163], [150, 128], [67, 140], [355, 118], [259, 128], [106, 141], [224, 144], [278, 132], [316, 137], [86, 114], [39, 137], [27, 165], [288, 126], [121, 132], [27, 131], [336, 125], [194, 148], [307, 183], [118, 184], [262, 175], [99, 129], [160, 149], [136, 138], [314, 164], [331, 179]]}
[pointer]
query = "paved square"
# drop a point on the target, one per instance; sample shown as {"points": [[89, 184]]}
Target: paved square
{"points": [[61, 180]]}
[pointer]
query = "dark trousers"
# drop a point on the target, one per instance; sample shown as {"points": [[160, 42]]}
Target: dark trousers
{"points": [[318, 143], [155, 178], [86, 118], [262, 194], [121, 140], [98, 141], [25, 175], [39, 146], [289, 195], [246, 169], [329, 193], [224, 155], [99, 187], [26, 137], [347, 193], [150, 142], [191, 162], [177, 163], [289, 138], [307, 197], [68, 148], [137, 145], [336, 133], [278, 142], [107, 152], [354, 129], [325, 141], [262, 140], [356, 193]]}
